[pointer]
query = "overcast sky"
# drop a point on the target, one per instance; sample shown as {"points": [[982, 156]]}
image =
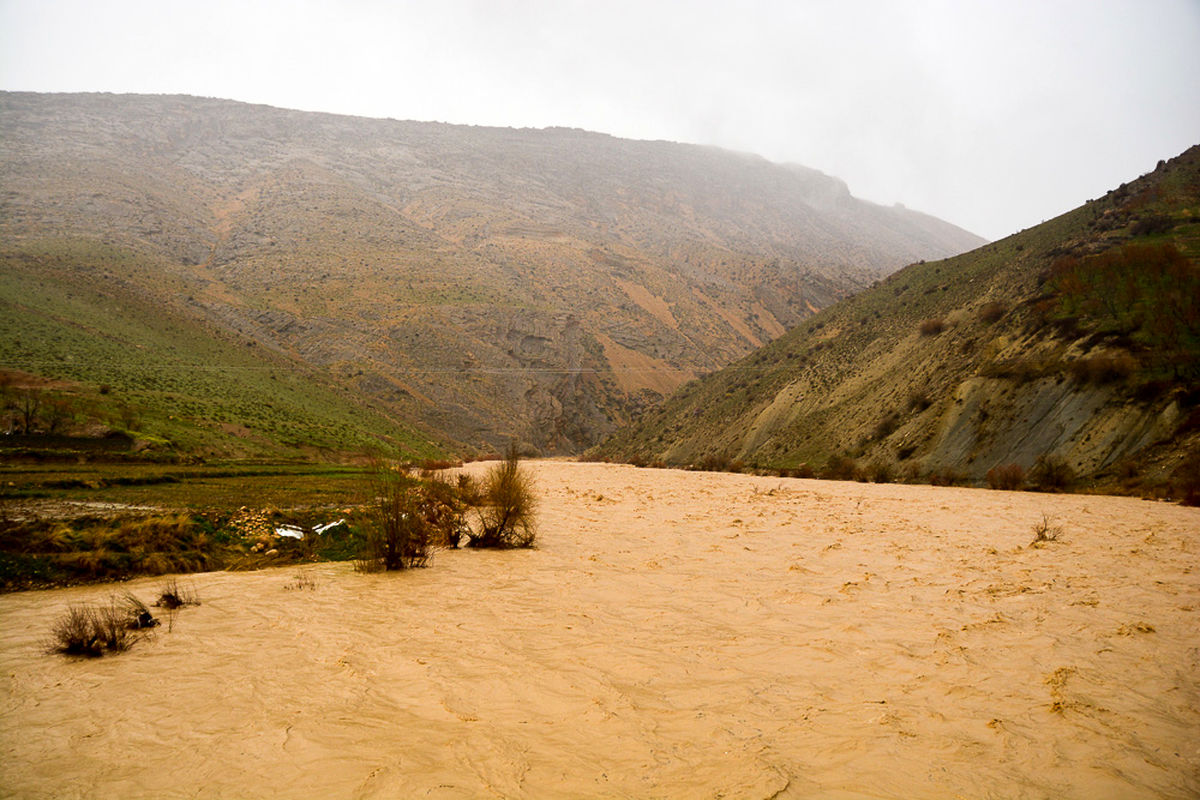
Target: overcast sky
{"points": [[992, 115]]}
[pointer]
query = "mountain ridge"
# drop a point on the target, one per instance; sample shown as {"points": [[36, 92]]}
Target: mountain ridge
{"points": [[487, 283]]}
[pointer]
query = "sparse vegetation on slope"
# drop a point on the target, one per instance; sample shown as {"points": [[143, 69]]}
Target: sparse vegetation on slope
{"points": [[1070, 352]]}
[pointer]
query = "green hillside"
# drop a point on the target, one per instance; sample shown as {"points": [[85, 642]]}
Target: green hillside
{"points": [[118, 358], [1073, 344]]}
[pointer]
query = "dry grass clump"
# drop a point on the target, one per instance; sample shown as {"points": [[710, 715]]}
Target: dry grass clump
{"points": [[301, 582], [1007, 477], [506, 520], [92, 631], [173, 596]]}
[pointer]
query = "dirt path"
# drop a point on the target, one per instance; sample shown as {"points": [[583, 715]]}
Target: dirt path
{"points": [[676, 635]]}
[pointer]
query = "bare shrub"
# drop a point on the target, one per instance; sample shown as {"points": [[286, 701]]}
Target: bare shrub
{"points": [[713, 462], [1188, 476], [1008, 477], [506, 520], [1051, 474], [886, 426], [932, 327], [1045, 531], [947, 476], [919, 400]]}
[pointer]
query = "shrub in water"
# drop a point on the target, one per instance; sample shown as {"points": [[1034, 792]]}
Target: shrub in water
{"points": [[506, 519], [1007, 476]]}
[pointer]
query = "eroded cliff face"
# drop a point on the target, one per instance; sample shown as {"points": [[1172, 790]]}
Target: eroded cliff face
{"points": [[1092, 428], [1075, 343]]}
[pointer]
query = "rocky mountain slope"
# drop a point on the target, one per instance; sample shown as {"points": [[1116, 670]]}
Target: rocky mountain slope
{"points": [[1069, 348], [485, 283]]}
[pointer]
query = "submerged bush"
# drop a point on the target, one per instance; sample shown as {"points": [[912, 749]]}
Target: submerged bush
{"points": [[173, 596], [1051, 474], [93, 630], [506, 520], [840, 468], [1007, 477], [410, 519]]}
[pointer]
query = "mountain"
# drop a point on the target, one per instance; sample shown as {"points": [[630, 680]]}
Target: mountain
{"points": [[483, 283], [1069, 348]]}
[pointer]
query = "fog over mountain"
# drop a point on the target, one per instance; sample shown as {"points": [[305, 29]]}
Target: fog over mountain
{"points": [[489, 282]]}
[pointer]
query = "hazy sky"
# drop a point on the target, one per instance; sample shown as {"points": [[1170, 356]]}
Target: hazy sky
{"points": [[993, 115]]}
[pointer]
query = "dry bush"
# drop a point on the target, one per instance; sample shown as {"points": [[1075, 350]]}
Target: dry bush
{"points": [[886, 426], [1008, 477], [1187, 475], [468, 489], [1051, 474], [506, 520], [77, 633], [712, 462], [881, 472], [1104, 369], [840, 468], [932, 327], [1045, 531], [919, 400], [947, 476], [992, 312]]}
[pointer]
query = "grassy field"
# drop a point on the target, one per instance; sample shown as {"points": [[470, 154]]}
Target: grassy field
{"points": [[61, 525]]}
